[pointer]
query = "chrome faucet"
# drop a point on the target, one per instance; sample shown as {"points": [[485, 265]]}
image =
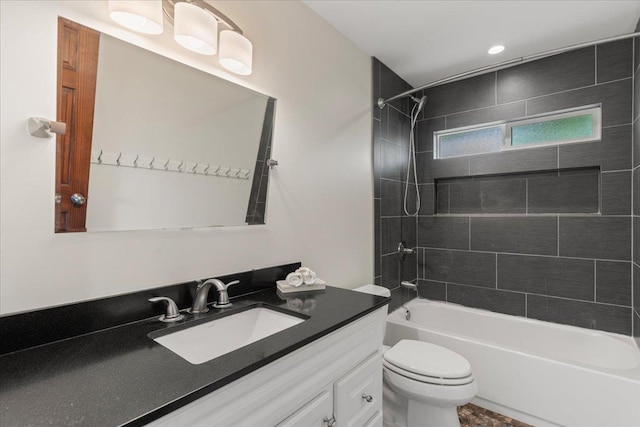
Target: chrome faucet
{"points": [[200, 301]]}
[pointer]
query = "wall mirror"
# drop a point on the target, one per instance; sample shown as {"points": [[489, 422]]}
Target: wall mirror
{"points": [[152, 143]]}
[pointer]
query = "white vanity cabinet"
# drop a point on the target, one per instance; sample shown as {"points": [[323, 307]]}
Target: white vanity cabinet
{"points": [[335, 380]]}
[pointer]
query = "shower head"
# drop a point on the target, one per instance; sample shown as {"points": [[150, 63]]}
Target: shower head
{"points": [[420, 102]]}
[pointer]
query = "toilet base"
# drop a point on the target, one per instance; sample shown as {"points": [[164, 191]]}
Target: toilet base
{"points": [[422, 414]]}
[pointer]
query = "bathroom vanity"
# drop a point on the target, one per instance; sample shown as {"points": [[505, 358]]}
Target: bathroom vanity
{"points": [[325, 370]]}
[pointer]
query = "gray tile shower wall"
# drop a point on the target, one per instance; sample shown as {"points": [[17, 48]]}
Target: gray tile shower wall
{"points": [[635, 293], [390, 157], [543, 232]]}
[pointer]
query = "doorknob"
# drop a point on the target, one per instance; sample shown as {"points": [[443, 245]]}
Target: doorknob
{"points": [[78, 199], [58, 198]]}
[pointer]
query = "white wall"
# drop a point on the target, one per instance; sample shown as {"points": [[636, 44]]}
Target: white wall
{"points": [[320, 200]]}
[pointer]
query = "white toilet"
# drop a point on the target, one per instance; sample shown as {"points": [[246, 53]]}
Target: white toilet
{"points": [[423, 382]]}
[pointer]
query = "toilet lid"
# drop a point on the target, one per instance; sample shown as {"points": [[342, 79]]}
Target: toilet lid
{"points": [[427, 359]]}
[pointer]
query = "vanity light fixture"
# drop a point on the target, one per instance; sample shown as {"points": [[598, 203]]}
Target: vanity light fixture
{"points": [[496, 49], [141, 16], [195, 25]]}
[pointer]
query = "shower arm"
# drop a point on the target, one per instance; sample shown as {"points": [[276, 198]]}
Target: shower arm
{"points": [[502, 65]]}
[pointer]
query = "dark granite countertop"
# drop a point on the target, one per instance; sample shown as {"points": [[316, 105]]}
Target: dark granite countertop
{"points": [[120, 376]]}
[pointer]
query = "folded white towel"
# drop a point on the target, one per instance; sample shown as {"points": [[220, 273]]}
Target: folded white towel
{"points": [[294, 279], [308, 275]]}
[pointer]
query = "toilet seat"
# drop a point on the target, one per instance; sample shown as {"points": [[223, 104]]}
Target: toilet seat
{"points": [[428, 363], [428, 380]]}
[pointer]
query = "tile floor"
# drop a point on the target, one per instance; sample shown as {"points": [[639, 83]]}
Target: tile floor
{"points": [[474, 416]]}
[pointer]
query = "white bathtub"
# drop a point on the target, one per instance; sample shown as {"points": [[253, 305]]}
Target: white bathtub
{"points": [[538, 372]]}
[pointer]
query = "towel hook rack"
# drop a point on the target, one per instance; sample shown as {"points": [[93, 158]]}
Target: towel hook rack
{"points": [[118, 159], [100, 157]]}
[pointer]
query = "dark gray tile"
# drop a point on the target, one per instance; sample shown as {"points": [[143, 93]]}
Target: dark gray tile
{"points": [[390, 233], [409, 268], [614, 60], [616, 193], [427, 199], [470, 268], [595, 237], [534, 235], [564, 194], [615, 98], [377, 250], [636, 192], [489, 299], [636, 54], [524, 160], [636, 242], [395, 126], [612, 153], [636, 325], [578, 313], [420, 262], [636, 137], [636, 287], [488, 196], [390, 271], [562, 277], [391, 193], [430, 168], [375, 90], [443, 232], [463, 95], [432, 290], [509, 111], [409, 231], [390, 85], [376, 151], [394, 159], [613, 282], [442, 198], [636, 97], [424, 133], [400, 296], [556, 73]]}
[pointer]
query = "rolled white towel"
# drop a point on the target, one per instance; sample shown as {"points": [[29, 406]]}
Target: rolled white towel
{"points": [[294, 279], [308, 275]]}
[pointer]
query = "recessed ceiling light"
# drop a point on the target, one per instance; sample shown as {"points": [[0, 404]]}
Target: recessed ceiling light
{"points": [[496, 49]]}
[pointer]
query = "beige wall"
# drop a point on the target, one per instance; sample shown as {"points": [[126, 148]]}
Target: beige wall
{"points": [[319, 207]]}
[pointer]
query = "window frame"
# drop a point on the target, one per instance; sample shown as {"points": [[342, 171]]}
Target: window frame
{"points": [[506, 127]]}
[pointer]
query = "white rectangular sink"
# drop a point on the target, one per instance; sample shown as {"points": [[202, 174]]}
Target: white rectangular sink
{"points": [[209, 340]]}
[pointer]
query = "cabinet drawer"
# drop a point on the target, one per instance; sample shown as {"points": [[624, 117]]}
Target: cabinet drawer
{"points": [[358, 394], [313, 413], [375, 421]]}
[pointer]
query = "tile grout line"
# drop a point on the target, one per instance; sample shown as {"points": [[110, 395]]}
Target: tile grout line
{"points": [[595, 281], [595, 71]]}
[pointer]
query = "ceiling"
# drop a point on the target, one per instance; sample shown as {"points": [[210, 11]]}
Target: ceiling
{"points": [[424, 41]]}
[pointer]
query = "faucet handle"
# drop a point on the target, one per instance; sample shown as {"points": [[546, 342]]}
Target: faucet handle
{"points": [[223, 296], [235, 282], [173, 314]]}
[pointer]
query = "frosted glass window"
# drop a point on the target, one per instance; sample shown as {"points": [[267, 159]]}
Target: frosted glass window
{"points": [[475, 141], [561, 130], [582, 124]]}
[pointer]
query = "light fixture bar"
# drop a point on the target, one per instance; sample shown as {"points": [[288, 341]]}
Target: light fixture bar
{"points": [[168, 7]]}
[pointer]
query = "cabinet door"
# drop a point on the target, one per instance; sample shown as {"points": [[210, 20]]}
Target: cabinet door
{"points": [[358, 394], [313, 413]]}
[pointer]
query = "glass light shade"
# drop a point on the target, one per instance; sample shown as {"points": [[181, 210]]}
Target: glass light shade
{"points": [[236, 52], [195, 29], [141, 16]]}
